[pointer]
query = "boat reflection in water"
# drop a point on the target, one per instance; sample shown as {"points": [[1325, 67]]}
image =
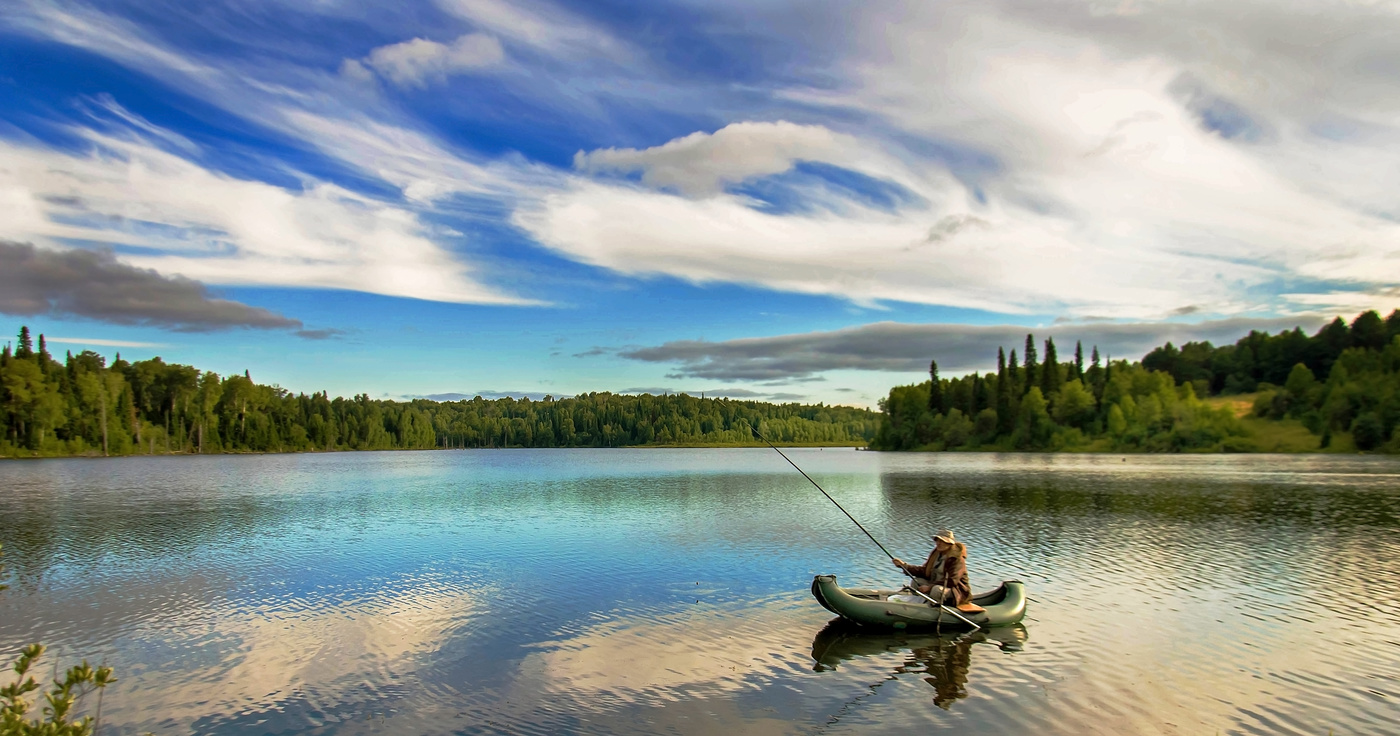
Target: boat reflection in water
{"points": [[946, 658]]}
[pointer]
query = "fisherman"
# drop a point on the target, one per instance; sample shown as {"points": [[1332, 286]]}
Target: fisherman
{"points": [[944, 576]]}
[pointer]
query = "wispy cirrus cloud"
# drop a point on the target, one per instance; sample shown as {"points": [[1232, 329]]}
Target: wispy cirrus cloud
{"points": [[1083, 158], [104, 342], [190, 221], [907, 348]]}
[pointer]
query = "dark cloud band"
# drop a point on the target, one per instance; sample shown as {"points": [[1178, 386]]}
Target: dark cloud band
{"points": [[897, 347], [96, 285]]}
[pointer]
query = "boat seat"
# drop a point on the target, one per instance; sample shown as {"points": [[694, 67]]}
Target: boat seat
{"points": [[971, 608]]}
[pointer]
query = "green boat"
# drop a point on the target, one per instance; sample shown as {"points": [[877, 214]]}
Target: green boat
{"points": [[1003, 606]]}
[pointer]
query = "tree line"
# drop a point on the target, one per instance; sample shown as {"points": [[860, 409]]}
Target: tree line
{"points": [[83, 406], [1345, 378]]}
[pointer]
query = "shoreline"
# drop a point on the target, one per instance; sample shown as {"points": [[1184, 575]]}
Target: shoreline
{"points": [[853, 447], [98, 456]]}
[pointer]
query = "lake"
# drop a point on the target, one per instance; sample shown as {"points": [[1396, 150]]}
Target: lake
{"points": [[666, 591]]}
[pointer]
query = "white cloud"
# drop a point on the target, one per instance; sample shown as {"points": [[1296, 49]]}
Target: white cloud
{"points": [[416, 62], [220, 230], [104, 342], [1126, 180], [702, 164], [330, 112], [544, 27], [1106, 191]]}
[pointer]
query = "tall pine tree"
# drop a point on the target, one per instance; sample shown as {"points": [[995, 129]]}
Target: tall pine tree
{"points": [[1030, 364], [1050, 371], [935, 389], [1079, 359], [25, 348], [1005, 422]]}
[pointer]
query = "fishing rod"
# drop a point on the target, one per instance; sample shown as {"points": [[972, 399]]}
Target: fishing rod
{"points": [[913, 588], [824, 493]]}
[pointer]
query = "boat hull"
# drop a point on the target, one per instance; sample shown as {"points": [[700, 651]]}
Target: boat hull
{"points": [[1003, 606]]}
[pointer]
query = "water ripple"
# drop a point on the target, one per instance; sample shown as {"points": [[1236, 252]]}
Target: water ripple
{"points": [[659, 591]]}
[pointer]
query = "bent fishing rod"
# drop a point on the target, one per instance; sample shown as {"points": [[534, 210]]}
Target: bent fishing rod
{"points": [[913, 588]]}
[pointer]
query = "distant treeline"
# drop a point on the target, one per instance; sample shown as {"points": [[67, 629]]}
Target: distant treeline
{"points": [[84, 406], [1344, 378]]}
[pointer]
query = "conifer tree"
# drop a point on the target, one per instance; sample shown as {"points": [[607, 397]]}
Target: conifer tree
{"points": [[25, 347], [1031, 364], [1005, 421], [972, 407], [1001, 361], [1079, 359], [935, 389], [44, 358], [1050, 371]]}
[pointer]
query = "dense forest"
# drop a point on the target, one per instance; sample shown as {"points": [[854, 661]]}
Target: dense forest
{"points": [[83, 406], [1343, 380]]}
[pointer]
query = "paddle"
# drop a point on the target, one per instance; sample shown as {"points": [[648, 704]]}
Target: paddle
{"points": [[940, 606]]}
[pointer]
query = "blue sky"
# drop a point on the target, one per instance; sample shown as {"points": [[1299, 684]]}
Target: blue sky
{"points": [[763, 199]]}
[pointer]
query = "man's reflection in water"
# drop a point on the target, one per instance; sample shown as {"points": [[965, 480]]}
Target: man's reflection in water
{"points": [[946, 658]]}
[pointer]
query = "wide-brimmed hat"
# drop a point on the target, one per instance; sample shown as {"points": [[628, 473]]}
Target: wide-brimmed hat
{"points": [[945, 535]]}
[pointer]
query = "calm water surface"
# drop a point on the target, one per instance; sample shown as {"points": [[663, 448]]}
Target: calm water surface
{"points": [[665, 591]]}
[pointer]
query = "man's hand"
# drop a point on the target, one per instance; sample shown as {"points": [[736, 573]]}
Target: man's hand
{"points": [[898, 563]]}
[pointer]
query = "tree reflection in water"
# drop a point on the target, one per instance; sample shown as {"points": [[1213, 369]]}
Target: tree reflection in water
{"points": [[946, 658]]}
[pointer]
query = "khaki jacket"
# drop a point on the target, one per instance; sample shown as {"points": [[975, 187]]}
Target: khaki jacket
{"points": [[948, 570]]}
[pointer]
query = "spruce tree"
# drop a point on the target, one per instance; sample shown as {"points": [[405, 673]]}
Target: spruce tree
{"points": [[1030, 364], [1079, 359], [1050, 371], [1005, 422], [25, 348], [935, 389], [972, 407]]}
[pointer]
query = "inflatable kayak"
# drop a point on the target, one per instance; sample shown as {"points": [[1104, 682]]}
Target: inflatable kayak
{"points": [[1003, 606]]}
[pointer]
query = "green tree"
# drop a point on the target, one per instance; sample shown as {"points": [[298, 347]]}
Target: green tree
{"points": [[1368, 331], [24, 347], [935, 391], [1117, 423], [1300, 381], [1006, 420], [1075, 406], [1367, 431], [1031, 365], [1050, 372], [1034, 427]]}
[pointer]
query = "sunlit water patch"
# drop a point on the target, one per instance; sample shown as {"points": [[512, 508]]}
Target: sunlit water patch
{"points": [[647, 591]]}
